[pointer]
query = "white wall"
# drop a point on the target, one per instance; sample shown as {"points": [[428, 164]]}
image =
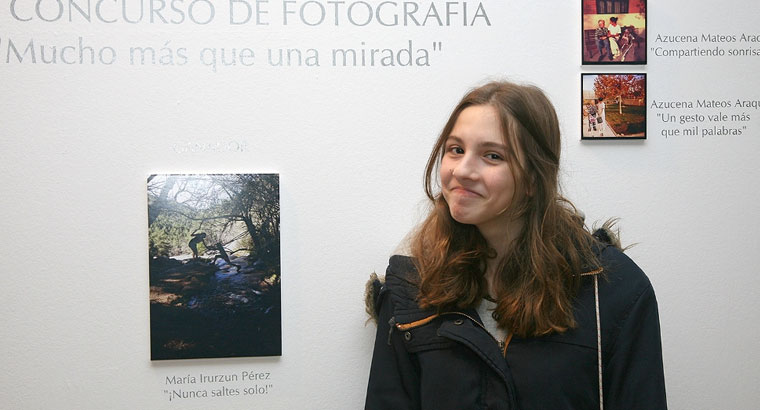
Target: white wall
{"points": [[77, 141]]}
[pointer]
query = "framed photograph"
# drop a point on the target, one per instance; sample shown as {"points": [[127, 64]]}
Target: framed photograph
{"points": [[614, 31], [214, 265], [613, 106]]}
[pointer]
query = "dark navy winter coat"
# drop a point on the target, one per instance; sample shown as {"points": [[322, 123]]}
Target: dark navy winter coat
{"points": [[429, 361]]}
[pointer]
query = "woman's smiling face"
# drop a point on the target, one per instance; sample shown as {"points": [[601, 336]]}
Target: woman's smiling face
{"points": [[476, 178]]}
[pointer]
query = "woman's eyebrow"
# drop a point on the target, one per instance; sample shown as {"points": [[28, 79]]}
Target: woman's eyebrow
{"points": [[489, 144], [494, 145]]}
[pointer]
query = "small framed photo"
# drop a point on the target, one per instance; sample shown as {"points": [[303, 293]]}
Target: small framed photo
{"points": [[214, 265], [614, 31], [613, 106]]}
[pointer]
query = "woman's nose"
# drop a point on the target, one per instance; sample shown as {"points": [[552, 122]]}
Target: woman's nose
{"points": [[466, 167]]}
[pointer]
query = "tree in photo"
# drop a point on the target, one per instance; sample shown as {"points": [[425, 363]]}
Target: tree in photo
{"points": [[214, 265], [619, 87]]}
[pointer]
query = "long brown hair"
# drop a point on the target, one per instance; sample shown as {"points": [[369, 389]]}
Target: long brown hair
{"points": [[538, 276]]}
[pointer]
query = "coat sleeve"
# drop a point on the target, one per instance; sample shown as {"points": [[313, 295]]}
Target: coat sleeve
{"points": [[393, 377], [633, 376]]}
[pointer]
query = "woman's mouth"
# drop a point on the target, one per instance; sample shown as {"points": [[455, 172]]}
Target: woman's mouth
{"points": [[465, 192]]}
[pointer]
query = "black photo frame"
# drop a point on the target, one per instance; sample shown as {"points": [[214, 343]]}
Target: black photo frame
{"points": [[628, 42], [613, 106], [214, 265]]}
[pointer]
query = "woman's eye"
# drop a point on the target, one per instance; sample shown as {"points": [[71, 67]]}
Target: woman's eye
{"points": [[494, 157], [456, 150]]}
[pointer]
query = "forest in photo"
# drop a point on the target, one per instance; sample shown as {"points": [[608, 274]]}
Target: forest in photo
{"points": [[214, 257]]}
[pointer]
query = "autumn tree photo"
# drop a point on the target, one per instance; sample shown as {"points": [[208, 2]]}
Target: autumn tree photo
{"points": [[624, 98]]}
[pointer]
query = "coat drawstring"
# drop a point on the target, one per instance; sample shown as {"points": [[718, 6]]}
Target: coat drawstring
{"points": [[595, 274], [598, 341]]}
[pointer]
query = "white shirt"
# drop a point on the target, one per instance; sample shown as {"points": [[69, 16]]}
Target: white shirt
{"points": [[484, 309], [613, 31]]}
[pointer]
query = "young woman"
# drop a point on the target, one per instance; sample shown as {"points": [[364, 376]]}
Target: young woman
{"points": [[505, 301]]}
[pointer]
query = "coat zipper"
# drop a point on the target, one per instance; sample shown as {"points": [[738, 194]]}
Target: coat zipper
{"points": [[502, 347], [502, 344]]}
